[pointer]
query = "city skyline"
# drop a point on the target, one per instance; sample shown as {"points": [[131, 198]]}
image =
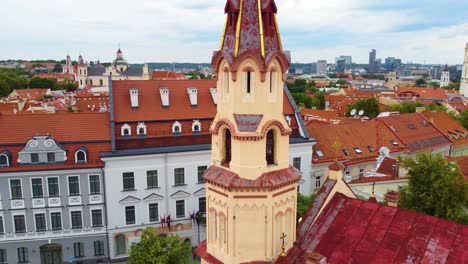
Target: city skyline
{"points": [[152, 31]]}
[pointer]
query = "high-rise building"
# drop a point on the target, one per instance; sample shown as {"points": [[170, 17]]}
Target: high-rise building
{"points": [[321, 66], [464, 78], [348, 60], [372, 56], [397, 64], [250, 188], [389, 63], [340, 65], [377, 65]]}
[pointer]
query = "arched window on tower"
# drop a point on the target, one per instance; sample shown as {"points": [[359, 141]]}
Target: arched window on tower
{"points": [[227, 148], [273, 81], [270, 148], [249, 82]]}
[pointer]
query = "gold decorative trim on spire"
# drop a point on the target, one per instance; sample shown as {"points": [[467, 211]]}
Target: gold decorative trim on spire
{"points": [[278, 33], [224, 33], [260, 22], [236, 51]]}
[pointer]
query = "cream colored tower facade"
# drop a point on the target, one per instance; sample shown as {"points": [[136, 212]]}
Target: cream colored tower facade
{"points": [[251, 189], [445, 78], [464, 79]]}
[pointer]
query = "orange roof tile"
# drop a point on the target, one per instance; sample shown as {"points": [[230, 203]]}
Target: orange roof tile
{"points": [[322, 114], [449, 126], [423, 93]]}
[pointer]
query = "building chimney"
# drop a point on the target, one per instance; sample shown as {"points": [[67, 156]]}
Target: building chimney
{"points": [[392, 198], [214, 95], [335, 171], [164, 96], [193, 96], [315, 258], [134, 97]]}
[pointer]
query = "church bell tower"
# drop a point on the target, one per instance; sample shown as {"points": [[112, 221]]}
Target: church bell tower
{"points": [[251, 189], [464, 79]]}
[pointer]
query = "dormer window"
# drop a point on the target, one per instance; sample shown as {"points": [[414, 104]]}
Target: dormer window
{"points": [[371, 149], [34, 158], [141, 129], [319, 153], [126, 130], [346, 152], [358, 151], [81, 156], [4, 160], [196, 127], [394, 143], [177, 128]]}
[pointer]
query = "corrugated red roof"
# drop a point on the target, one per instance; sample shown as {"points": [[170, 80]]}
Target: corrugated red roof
{"points": [[356, 231], [449, 127]]}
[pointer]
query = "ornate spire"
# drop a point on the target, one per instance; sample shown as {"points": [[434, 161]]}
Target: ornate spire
{"points": [[251, 29]]}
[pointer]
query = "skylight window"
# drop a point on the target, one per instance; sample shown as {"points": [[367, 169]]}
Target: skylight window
{"points": [[346, 152], [424, 123], [319, 153], [394, 143], [358, 151], [371, 149], [411, 126]]}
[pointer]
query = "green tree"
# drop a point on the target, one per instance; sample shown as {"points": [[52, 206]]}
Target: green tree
{"points": [[57, 67], [436, 187], [303, 100], [463, 119], [304, 202], [435, 107], [154, 249], [37, 82], [453, 86], [406, 107], [370, 107], [341, 82], [319, 101], [421, 83]]}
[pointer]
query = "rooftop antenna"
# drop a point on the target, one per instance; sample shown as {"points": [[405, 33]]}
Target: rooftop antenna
{"points": [[361, 112], [353, 112]]}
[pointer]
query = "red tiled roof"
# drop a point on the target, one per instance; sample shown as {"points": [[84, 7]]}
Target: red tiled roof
{"points": [[322, 114], [423, 93], [415, 131], [269, 180], [166, 75], [463, 165], [459, 106], [388, 167], [449, 127], [37, 93], [355, 231], [64, 127]]}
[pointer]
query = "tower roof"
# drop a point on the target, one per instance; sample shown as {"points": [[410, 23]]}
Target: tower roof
{"points": [[251, 29]]}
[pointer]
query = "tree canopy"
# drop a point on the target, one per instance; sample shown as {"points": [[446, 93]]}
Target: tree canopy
{"points": [[11, 79], [421, 83], [406, 107], [155, 249], [463, 119], [304, 202], [370, 107], [436, 187]]}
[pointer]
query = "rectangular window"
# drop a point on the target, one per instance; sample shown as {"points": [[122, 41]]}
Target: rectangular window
{"points": [[3, 256], [297, 163], [2, 230], [249, 80], [128, 181], [34, 158], [130, 215], [201, 171], [73, 185], [40, 222], [76, 220], [94, 184], [318, 181], [98, 248], [20, 224], [37, 189], [153, 212], [152, 179], [53, 186], [361, 173], [56, 221], [50, 157], [180, 208], [179, 176], [96, 216], [78, 249], [16, 191], [23, 256], [202, 205]]}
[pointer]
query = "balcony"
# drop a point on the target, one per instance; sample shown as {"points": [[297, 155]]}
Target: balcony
{"points": [[55, 202], [38, 203], [17, 204], [95, 199], [74, 200]]}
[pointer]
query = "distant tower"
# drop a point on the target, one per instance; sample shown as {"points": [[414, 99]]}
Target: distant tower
{"points": [[445, 79], [120, 63], [392, 79], [82, 72], [464, 79], [68, 67], [372, 57], [251, 189]]}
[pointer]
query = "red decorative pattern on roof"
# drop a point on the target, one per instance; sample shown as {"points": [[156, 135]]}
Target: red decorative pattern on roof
{"points": [[267, 181], [356, 231]]}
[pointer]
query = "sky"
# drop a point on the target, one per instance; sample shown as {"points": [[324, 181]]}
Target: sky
{"points": [[421, 31]]}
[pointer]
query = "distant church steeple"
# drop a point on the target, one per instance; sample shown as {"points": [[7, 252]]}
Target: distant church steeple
{"points": [[445, 78], [464, 79], [68, 67]]}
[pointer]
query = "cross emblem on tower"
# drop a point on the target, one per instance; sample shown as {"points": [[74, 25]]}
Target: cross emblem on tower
{"points": [[283, 253]]}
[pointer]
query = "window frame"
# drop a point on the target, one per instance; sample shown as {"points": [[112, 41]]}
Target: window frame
{"points": [[79, 187], [78, 250], [51, 157], [126, 216], [58, 186], [11, 190], [124, 246], [77, 160], [72, 217], [7, 164], [200, 173], [177, 208], [101, 219], [59, 213], [177, 175], [36, 222], [124, 180], [295, 159], [151, 178], [150, 207], [24, 224], [2, 227], [33, 160], [23, 254], [90, 185], [200, 199], [3, 256], [99, 249], [41, 189]]}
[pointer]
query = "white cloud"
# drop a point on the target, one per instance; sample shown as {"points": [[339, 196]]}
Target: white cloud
{"points": [[180, 30]]}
